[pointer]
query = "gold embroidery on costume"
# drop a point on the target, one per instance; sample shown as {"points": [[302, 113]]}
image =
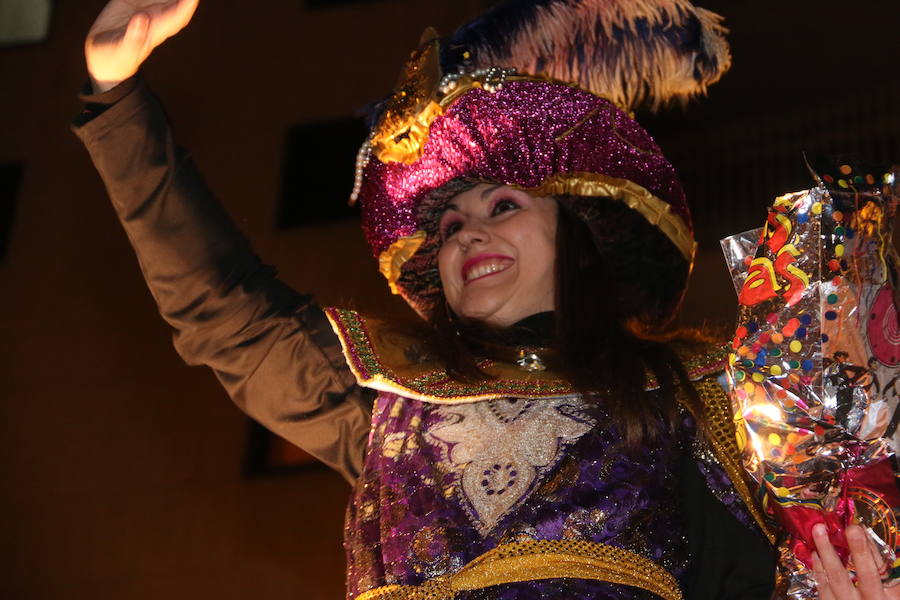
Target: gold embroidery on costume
{"points": [[715, 417], [376, 356], [540, 559]]}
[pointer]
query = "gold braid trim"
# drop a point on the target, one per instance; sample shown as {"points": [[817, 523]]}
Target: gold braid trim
{"points": [[716, 419], [540, 559]]}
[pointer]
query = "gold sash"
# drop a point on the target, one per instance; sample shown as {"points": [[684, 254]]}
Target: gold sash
{"points": [[540, 559]]}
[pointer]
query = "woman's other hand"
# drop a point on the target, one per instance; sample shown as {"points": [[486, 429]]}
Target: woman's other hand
{"points": [[832, 577], [126, 32]]}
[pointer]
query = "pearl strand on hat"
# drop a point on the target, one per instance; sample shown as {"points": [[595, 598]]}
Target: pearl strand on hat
{"points": [[362, 160]]}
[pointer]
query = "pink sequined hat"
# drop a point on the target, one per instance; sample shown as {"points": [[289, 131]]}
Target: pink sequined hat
{"points": [[492, 124]]}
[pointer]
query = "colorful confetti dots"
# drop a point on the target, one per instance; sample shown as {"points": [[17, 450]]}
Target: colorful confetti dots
{"points": [[834, 265], [759, 377], [825, 338], [838, 216], [800, 333], [830, 315], [807, 365], [739, 375], [796, 346], [838, 230], [846, 169], [794, 364], [771, 317], [831, 298], [776, 352], [741, 332], [752, 327], [816, 208], [777, 338], [842, 183], [806, 318], [790, 327], [775, 370], [774, 439], [749, 387], [839, 250]]}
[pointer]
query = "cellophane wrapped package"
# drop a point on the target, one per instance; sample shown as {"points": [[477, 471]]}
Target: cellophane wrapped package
{"points": [[813, 372]]}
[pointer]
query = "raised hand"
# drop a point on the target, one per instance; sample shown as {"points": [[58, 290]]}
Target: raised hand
{"points": [[832, 578], [126, 32]]}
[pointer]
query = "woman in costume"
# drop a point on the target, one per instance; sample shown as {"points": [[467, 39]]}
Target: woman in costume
{"points": [[532, 438]]}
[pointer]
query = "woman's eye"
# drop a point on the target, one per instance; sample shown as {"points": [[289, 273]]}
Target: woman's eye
{"points": [[503, 206], [450, 228]]}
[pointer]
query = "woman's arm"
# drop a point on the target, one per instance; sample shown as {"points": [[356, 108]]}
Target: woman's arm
{"points": [[271, 348]]}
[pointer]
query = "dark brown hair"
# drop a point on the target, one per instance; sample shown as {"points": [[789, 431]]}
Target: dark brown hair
{"points": [[616, 287]]}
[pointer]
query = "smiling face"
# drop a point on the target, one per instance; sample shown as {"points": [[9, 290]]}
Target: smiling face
{"points": [[498, 254]]}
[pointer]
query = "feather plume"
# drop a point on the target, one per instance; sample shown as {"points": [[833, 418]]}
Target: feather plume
{"points": [[638, 53]]}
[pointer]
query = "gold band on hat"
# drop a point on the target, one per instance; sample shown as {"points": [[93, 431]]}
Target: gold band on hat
{"points": [[657, 212]]}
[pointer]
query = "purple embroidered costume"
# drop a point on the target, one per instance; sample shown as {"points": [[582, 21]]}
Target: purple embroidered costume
{"points": [[444, 484], [461, 471]]}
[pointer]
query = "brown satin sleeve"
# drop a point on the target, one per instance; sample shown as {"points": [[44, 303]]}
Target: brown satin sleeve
{"points": [[272, 348]]}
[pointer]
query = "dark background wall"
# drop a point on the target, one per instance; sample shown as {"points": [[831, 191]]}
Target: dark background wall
{"points": [[121, 468]]}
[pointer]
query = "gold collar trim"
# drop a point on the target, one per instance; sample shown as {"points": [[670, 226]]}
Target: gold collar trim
{"points": [[380, 359], [541, 559]]}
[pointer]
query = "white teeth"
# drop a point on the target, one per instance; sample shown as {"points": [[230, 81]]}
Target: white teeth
{"points": [[483, 269]]}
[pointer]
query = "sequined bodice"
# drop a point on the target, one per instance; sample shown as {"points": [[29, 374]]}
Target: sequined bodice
{"points": [[443, 484]]}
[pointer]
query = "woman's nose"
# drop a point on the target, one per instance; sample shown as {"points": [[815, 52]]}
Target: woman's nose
{"points": [[472, 233]]}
